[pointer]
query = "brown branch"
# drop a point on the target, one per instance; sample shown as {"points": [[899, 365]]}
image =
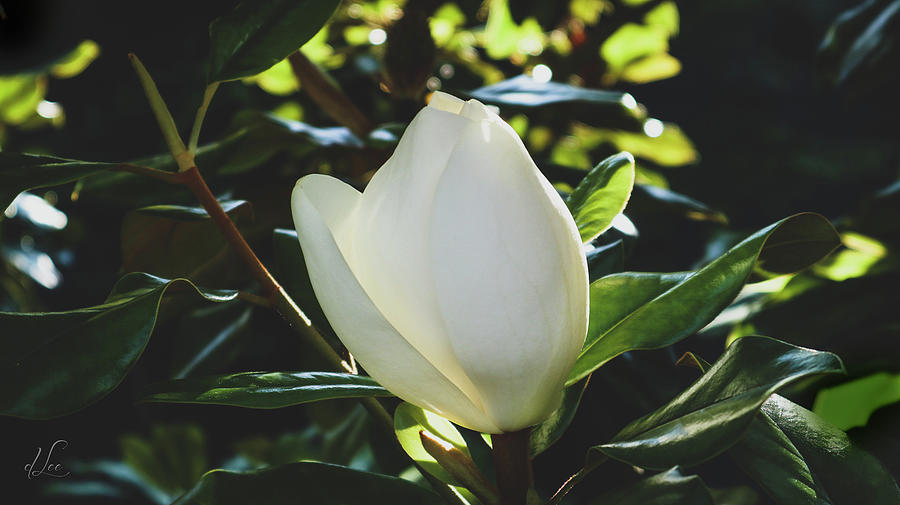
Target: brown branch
{"points": [[328, 96], [512, 461]]}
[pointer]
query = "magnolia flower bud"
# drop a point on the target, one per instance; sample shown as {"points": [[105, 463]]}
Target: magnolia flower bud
{"points": [[457, 278]]}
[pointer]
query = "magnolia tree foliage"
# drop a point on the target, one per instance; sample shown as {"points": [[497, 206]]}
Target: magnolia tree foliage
{"points": [[490, 294]]}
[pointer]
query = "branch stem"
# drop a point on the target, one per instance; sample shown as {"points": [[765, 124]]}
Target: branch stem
{"points": [[512, 461]]}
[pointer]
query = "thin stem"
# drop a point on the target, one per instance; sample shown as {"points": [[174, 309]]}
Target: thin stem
{"points": [[513, 463], [328, 96], [198, 119]]}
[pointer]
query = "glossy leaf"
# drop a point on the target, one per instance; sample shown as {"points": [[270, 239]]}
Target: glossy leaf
{"points": [[20, 172], [769, 457], [631, 311], [598, 107], [602, 195], [842, 473], [78, 346], [307, 482], [265, 390], [256, 35], [667, 488], [714, 412]]}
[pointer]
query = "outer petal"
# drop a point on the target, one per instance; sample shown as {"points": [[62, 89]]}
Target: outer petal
{"points": [[390, 245], [509, 273], [323, 208]]}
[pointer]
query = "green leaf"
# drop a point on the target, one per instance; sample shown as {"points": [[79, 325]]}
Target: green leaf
{"points": [[172, 459], [653, 199], [602, 195], [265, 390], [305, 482], [631, 311], [174, 240], [769, 457], [847, 473], [850, 404], [800, 459], [548, 432], [861, 45], [668, 488], [89, 350], [714, 412], [605, 260], [20, 172], [632, 42], [256, 35], [596, 107], [409, 420]]}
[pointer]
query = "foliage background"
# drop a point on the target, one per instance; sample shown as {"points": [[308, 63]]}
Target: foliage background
{"points": [[769, 135]]}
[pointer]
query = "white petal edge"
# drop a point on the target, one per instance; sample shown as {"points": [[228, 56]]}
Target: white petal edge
{"points": [[319, 204], [509, 273]]}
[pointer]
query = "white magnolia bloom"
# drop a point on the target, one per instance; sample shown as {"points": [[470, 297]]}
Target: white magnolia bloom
{"points": [[457, 278]]}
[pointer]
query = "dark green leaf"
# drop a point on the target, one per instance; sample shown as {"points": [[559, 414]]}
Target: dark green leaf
{"points": [[861, 45], [548, 432], [602, 195], [265, 390], [196, 213], [668, 488], [89, 350], [292, 269], [769, 457], [848, 474], [172, 458], [605, 260], [20, 172], [632, 311], [174, 240], [714, 412], [256, 35], [305, 482], [597, 107], [652, 199]]}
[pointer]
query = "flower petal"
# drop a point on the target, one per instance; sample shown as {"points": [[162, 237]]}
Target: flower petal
{"points": [[323, 208], [509, 274], [390, 252]]}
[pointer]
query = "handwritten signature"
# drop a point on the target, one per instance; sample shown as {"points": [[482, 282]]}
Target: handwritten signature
{"points": [[49, 468]]}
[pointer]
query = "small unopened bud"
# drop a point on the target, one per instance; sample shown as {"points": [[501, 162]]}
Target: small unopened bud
{"points": [[461, 467]]}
